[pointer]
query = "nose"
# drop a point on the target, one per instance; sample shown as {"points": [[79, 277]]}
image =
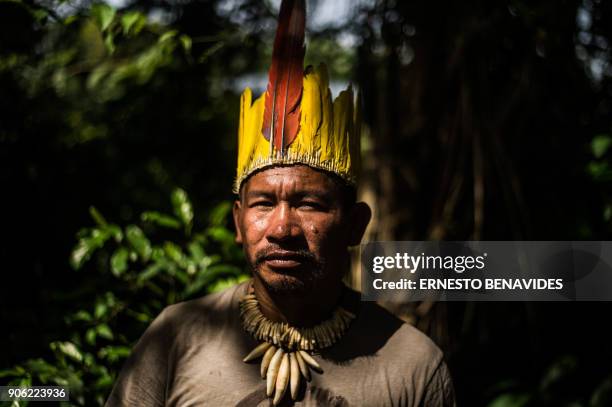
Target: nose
{"points": [[284, 224]]}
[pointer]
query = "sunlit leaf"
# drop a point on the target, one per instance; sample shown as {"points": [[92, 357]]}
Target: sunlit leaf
{"points": [[601, 144], [97, 216], [186, 42], [221, 235], [104, 14], [100, 309], [182, 207], [119, 261], [109, 41], [168, 35], [150, 272], [104, 331], [86, 246], [139, 241], [160, 219], [114, 353], [196, 251], [69, 349], [174, 253], [82, 315], [224, 284], [15, 371], [600, 171], [132, 21], [90, 336], [219, 215]]}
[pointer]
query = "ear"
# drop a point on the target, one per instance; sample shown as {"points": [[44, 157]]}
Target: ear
{"points": [[237, 213], [359, 219]]}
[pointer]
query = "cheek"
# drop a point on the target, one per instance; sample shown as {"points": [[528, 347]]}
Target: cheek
{"points": [[254, 227], [324, 235]]}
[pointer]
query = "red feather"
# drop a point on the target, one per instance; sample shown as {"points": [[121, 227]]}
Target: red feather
{"points": [[284, 93]]}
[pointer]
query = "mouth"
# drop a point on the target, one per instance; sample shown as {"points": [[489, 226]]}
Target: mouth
{"points": [[284, 260]]}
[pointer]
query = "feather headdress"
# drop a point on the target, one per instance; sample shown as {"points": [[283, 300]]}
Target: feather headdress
{"points": [[295, 121], [284, 93]]}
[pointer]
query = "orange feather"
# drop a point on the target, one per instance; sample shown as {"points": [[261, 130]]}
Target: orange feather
{"points": [[282, 108]]}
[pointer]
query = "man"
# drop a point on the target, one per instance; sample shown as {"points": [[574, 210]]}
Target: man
{"points": [[294, 334]]}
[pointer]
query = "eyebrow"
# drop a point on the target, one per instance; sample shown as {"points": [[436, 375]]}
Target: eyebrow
{"points": [[322, 195], [258, 194]]}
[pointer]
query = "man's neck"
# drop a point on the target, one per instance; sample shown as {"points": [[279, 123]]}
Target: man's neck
{"points": [[298, 309]]}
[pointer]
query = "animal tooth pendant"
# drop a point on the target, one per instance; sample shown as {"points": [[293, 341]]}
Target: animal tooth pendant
{"points": [[285, 350], [283, 370]]}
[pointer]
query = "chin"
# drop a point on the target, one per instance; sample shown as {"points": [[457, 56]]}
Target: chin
{"points": [[288, 283]]}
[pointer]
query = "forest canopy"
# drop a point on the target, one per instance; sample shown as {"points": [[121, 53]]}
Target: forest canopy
{"points": [[118, 122]]}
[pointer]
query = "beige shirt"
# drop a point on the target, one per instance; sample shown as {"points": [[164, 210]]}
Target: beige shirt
{"points": [[191, 355]]}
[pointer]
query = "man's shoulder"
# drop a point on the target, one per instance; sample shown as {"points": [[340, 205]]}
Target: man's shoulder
{"points": [[402, 341], [205, 309]]}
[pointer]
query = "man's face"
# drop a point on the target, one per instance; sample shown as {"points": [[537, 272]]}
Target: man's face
{"points": [[294, 228]]}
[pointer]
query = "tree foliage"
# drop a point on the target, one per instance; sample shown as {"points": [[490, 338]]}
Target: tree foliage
{"points": [[139, 269], [484, 120]]}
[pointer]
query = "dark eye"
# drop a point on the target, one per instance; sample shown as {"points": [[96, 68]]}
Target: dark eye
{"points": [[260, 204], [312, 205]]}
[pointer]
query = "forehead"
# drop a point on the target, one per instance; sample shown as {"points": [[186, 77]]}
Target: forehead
{"points": [[294, 178]]}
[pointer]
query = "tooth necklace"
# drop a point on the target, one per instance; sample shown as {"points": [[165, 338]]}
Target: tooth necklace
{"points": [[285, 349]]}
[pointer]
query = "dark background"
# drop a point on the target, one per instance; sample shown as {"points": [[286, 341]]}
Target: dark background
{"points": [[485, 120]]}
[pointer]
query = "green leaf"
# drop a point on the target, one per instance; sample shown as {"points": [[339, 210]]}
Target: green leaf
{"points": [[119, 261], [600, 171], [69, 349], [109, 41], [104, 331], [100, 309], [196, 251], [104, 14], [607, 213], [15, 371], [115, 232], [168, 35], [218, 215], [221, 235], [132, 21], [209, 276], [82, 315], [40, 367], [160, 219], [86, 246], [174, 253], [114, 353], [150, 272], [139, 241], [139, 316], [186, 42], [90, 336], [223, 284], [80, 254], [97, 216], [110, 299], [601, 144], [559, 372], [510, 400], [182, 207], [88, 360]]}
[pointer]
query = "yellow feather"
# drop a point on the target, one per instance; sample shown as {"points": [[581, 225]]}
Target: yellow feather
{"points": [[328, 138]]}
